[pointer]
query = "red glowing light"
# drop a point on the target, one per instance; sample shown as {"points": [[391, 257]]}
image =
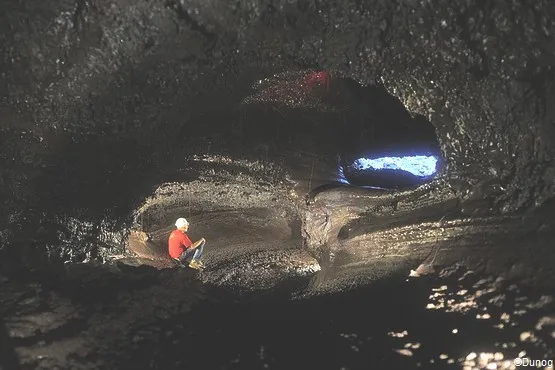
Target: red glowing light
{"points": [[318, 78]]}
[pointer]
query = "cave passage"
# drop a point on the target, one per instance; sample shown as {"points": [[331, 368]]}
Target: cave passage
{"points": [[384, 146], [379, 143]]}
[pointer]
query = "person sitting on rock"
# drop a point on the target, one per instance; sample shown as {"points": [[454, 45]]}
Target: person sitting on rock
{"points": [[182, 249]]}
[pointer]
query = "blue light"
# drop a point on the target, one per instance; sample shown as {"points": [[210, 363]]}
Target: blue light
{"points": [[418, 165]]}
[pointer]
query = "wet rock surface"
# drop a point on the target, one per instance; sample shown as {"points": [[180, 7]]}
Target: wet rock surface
{"points": [[374, 226], [252, 227], [454, 319], [81, 317], [102, 103]]}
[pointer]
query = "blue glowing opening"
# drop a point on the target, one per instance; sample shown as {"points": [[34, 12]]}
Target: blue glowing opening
{"points": [[418, 165]]}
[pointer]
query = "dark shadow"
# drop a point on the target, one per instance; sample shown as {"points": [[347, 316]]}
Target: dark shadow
{"points": [[8, 357]]}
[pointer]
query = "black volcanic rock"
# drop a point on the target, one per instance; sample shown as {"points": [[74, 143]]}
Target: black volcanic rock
{"points": [[97, 98], [481, 73], [102, 101]]}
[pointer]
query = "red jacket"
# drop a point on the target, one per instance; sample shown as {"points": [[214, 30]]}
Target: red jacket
{"points": [[177, 243]]}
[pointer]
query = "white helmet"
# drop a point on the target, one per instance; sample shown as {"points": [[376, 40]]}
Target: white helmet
{"points": [[181, 222]]}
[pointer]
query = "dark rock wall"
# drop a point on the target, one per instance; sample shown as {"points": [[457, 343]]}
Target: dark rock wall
{"points": [[480, 71], [149, 72]]}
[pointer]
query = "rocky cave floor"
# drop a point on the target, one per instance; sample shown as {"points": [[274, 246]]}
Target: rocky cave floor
{"points": [[263, 302], [91, 317]]}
